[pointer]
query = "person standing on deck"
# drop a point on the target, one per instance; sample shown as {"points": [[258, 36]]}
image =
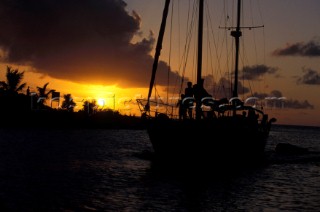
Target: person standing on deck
{"points": [[199, 94], [188, 91], [182, 109]]}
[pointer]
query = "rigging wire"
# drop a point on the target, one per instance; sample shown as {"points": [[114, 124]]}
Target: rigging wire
{"points": [[218, 55], [250, 83], [181, 67], [243, 56], [183, 62], [189, 29], [209, 55], [230, 75], [226, 22], [264, 40], [220, 86], [170, 46]]}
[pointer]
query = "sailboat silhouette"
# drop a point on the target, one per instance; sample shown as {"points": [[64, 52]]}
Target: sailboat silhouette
{"points": [[231, 131]]}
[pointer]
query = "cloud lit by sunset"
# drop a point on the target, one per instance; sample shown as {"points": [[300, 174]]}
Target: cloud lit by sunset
{"points": [[86, 42]]}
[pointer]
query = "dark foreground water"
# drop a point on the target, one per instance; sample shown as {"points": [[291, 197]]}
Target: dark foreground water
{"points": [[110, 170]]}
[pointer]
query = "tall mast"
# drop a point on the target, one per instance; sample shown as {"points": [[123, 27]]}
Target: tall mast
{"points": [[236, 34], [199, 65], [200, 38], [158, 50]]}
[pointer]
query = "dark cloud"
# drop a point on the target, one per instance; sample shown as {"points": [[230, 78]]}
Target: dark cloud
{"points": [[81, 40], [256, 72], [275, 93], [272, 102], [295, 104], [310, 77], [223, 88], [276, 99], [310, 49]]}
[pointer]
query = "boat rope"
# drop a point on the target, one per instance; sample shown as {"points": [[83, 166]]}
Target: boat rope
{"points": [[170, 47]]}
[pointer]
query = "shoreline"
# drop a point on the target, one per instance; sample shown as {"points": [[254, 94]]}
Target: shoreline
{"points": [[70, 120], [59, 119]]}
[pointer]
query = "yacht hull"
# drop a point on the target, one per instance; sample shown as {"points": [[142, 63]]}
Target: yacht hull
{"points": [[220, 142]]}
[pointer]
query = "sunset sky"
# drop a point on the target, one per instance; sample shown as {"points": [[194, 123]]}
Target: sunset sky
{"points": [[104, 49]]}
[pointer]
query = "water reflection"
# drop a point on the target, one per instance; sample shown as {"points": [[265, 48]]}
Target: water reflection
{"points": [[112, 170]]}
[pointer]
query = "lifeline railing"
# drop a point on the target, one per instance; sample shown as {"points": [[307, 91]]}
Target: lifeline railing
{"points": [[157, 107]]}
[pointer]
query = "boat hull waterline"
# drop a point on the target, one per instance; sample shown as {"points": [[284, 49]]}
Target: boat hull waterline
{"points": [[220, 142]]}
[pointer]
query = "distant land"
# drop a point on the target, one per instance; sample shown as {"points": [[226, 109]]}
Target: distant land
{"points": [[64, 119]]}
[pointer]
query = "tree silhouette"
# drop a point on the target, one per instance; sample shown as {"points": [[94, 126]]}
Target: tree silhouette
{"points": [[90, 107], [68, 103], [12, 86], [43, 94]]}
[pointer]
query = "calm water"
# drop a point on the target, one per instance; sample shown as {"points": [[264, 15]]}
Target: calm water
{"points": [[111, 170]]}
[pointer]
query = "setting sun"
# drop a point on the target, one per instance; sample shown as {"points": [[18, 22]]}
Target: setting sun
{"points": [[101, 102]]}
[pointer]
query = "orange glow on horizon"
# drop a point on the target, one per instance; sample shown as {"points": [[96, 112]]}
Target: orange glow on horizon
{"points": [[124, 101], [115, 98]]}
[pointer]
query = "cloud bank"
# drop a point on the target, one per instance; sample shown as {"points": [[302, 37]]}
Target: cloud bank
{"points": [[310, 77], [81, 41], [309, 49], [256, 72]]}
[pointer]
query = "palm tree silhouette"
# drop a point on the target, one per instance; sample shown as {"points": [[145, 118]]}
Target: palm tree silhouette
{"points": [[43, 95], [12, 86], [68, 102], [89, 107]]}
